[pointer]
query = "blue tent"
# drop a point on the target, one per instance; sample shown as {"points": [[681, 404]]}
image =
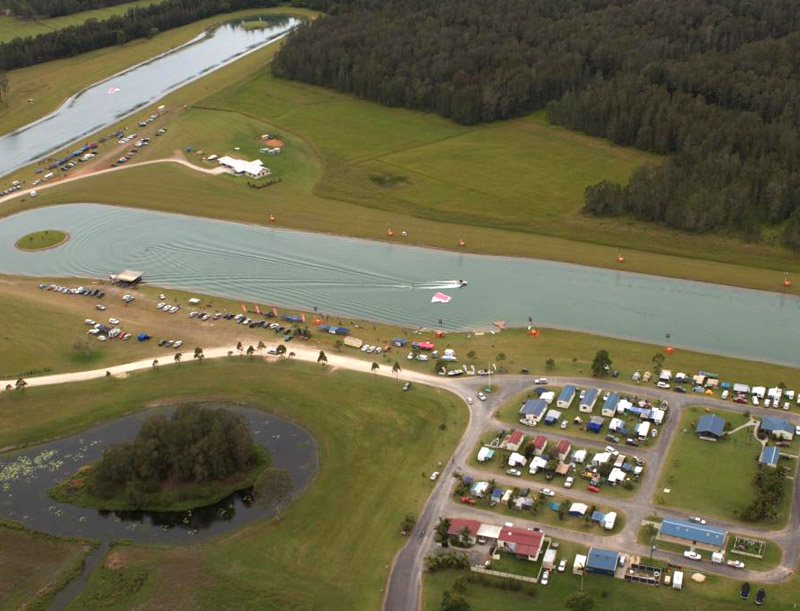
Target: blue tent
{"points": [[399, 341]]}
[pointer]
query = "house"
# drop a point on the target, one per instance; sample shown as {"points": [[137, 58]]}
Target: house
{"points": [[552, 417], [490, 532], [690, 533], [252, 169], [595, 424], [710, 426], [624, 406], [602, 562], [512, 441], [589, 399], [566, 397], [457, 526], [532, 411], [579, 456], [539, 445], [600, 458], [610, 520], [777, 428], [523, 543], [563, 449], [609, 408], [517, 460], [578, 510], [485, 454], [769, 456], [642, 430]]}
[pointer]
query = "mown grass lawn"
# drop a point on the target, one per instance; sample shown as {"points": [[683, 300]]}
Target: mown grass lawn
{"points": [[713, 478], [332, 546], [41, 240]]}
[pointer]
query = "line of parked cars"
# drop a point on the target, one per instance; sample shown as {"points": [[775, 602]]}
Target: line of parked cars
{"points": [[57, 288]]}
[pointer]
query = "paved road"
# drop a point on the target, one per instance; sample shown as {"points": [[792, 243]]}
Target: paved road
{"points": [[405, 581]]}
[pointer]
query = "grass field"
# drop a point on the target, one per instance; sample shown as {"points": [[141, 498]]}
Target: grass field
{"points": [[41, 240], [44, 333], [716, 594], [376, 445], [13, 27], [714, 478], [33, 567]]}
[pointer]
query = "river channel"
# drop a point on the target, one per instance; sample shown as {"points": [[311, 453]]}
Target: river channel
{"points": [[390, 282], [108, 101], [27, 475]]}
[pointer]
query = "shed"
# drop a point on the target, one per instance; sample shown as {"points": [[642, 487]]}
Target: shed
{"points": [[602, 562], [769, 456], [578, 510], [610, 520], [548, 396], [598, 516], [579, 456], [128, 276], [677, 580], [489, 531], [643, 430], [741, 389]]}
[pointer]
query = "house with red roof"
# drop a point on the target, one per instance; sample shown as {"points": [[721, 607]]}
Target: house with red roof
{"points": [[539, 445], [457, 526], [563, 449], [513, 441], [523, 543]]}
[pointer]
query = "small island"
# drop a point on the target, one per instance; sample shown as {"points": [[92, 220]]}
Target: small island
{"points": [[42, 240], [193, 458]]}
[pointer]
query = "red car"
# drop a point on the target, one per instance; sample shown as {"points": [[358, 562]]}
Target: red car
{"points": [[594, 489], [468, 500]]}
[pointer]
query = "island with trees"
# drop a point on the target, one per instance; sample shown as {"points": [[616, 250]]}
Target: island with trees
{"points": [[195, 457]]}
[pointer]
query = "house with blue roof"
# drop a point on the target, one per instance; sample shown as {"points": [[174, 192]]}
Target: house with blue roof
{"points": [[566, 397], [710, 427], [589, 399], [777, 428], [610, 405], [602, 562], [532, 411], [691, 533], [769, 456]]}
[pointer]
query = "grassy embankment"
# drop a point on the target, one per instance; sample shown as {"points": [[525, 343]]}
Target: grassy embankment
{"points": [[715, 478], [42, 240], [352, 167], [33, 567], [50, 83], [44, 333], [377, 446], [170, 497], [14, 27]]}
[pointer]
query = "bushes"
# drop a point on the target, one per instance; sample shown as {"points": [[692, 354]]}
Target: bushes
{"points": [[770, 485], [448, 560]]}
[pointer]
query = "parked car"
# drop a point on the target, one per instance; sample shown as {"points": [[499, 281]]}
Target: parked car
{"points": [[697, 519], [737, 564], [407, 386], [563, 424], [744, 591], [514, 472], [679, 389], [540, 380], [568, 482], [761, 596], [594, 489], [562, 566], [725, 394], [692, 555], [661, 384], [786, 405], [113, 321], [89, 322], [468, 500], [470, 401], [99, 306], [546, 578], [548, 492], [481, 396], [434, 475]]}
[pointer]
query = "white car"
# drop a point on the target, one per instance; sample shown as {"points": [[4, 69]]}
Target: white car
{"points": [[736, 564], [797, 429], [89, 322], [692, 555], [481, 396], [548, 492], [101, 338], [160, 305], [174, 309], [514, 472], [755, 400], [662, 384], [786, 405], [410, 356], [469, 400], [423, 357], [540, 381], [93, 331], [768, 403], [545, 577], [725, 394], [178, 344], [434, 475], [100, 306], [365, 347], [162, 296], [697, 519], [568, 482], [113, 321], [562, 566], [563, 424]]}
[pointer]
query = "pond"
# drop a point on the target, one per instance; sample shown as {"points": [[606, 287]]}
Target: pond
{"points": [[395, 283], [26, 477], [108, 101]]}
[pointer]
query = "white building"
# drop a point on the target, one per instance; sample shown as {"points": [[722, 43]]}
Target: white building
{"points": [[252, 169]]}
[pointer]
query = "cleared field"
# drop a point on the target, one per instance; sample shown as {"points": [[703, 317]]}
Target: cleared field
{"points": [[714, 478], [13, 27], [376, 445], [33, 567]]}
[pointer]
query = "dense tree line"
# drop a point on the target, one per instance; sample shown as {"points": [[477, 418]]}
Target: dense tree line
{"points": [[29, 9], [713, 84], [195, 444], [770, 484], [136, 23]]}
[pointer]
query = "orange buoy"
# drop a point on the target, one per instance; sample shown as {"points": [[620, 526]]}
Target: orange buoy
{"points": [[272, 218], [669, 349], [390, 233], [461, 242], [318, 321], [621, 259], [787, 283], [533, 332]]}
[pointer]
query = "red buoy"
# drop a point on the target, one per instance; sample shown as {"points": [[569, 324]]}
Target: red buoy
{"points": [[787, 283], [533, 332], [669, 349], [390, 233], [272, 218], [461, 243]]}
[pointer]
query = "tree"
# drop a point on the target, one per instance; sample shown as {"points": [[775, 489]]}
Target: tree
{"points": [[579, 601], [550, 364], [4, 88], [239, 346], [374, 367], [658, 362], [338, 345], [471, 355], [21, 384], [198, 354], [261, 346], [454, 602], [281, 349], [155, 364], [407, 524], [501, 356], [178, 357], [441, 530], [465, 536], [250, 350], [601, 364], [273, 489], [322, 358], [396, 371]]}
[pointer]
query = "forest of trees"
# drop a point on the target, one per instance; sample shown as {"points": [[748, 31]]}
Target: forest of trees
{"points": [[30, 9], [713, 84], [135, 23], [193, 445]]}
